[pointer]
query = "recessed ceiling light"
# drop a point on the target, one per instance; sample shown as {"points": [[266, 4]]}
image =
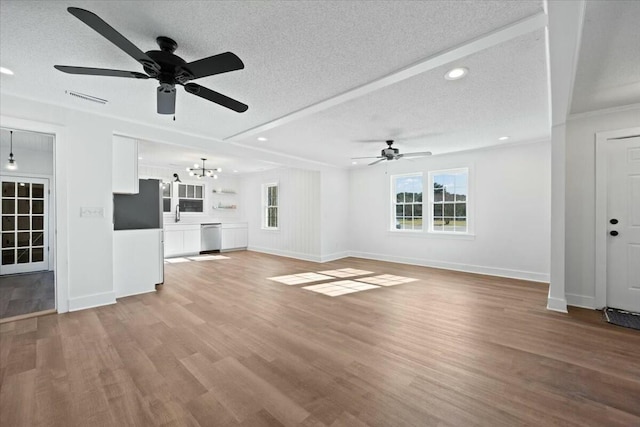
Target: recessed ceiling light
{"points": [[235, 171], [503, 138], [456, 73], [6, 71], [354, 163], [139, 157], [262, 138]]}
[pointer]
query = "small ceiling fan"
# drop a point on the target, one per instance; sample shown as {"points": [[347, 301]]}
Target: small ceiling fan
{"points": [[169, 69], [391, 153]]}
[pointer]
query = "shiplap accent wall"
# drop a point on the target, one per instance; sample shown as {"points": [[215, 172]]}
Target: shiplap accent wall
{"points": [[298, 235], [334, 197]]}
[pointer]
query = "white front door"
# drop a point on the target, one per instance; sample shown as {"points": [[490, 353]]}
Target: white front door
{"points": [[623, 222], [25, 206]]}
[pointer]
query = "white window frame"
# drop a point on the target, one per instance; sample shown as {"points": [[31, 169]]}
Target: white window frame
{"points": [[265, 207], [175, 196], [170, 186], [469, 202], [394, 203]]}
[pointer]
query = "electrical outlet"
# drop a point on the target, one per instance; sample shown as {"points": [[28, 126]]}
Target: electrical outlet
{"points": [[92, 212]]}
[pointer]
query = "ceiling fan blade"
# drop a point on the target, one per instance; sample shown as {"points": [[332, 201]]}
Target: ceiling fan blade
{"points": [[419, 154], [100, 72], [216, 64], [216, 97], [377, 161], [370, 157], [108, 32], [166, 101]]}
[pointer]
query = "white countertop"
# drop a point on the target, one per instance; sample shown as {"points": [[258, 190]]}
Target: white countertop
{"points": [[198, 220]]}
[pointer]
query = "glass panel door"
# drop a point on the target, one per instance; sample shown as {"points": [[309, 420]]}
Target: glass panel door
{"points": [[25, 205]]}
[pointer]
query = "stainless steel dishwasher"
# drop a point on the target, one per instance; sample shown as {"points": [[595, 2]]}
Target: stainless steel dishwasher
{"points": [[210, 237]]}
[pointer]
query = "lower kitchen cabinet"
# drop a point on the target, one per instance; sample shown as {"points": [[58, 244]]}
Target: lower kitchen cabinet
{"points": [[181, 240], [234, 236]]}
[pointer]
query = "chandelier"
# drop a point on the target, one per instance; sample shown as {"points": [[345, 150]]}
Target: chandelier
{"points": [[201, 172]]}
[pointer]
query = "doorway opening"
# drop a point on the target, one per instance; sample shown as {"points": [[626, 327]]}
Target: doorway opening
{"points": [[27, 259]]}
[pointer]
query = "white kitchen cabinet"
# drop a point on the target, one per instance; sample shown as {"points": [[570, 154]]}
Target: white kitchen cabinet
{"points": [[124, 165], [181, 240], [234, 236], [173, 242], [137, 261], [192, 240]]}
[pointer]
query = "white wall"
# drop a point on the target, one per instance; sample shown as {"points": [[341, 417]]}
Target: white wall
{"points": [[30, 161], [298, 235], [511, 191], [334, 225], [83, 176], [225, 182], [580, 199]]}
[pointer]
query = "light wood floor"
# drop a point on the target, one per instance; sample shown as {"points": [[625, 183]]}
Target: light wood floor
{"points": [[220, 345]]}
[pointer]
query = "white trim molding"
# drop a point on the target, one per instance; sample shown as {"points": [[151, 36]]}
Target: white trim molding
{"points": [[582, 301], [600, 261], [90, 301], [557, 304], [60, 209], [288, 254], [466, 268]]}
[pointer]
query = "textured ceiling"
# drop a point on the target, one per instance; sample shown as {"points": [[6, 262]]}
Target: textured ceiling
{"points": [[178, 158], [503, 94], [609, 63], [295, 54]]}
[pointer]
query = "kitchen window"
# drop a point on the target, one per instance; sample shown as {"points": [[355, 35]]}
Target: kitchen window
{"points": [[407, 201], [270, 203], [166, 197], [449, 201], [191, 197]]}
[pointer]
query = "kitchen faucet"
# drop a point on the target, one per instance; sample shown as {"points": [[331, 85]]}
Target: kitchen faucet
{"points": [[177, 213]]}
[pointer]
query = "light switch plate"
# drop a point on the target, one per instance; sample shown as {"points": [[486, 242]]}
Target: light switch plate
{"points": [[92, 212]]}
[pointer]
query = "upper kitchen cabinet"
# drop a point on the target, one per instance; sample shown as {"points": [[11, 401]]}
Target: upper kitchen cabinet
{"points": [[125, 165]]}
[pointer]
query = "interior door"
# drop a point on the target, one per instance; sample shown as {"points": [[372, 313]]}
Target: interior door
{"points": [[25, 205], [623, 210]]}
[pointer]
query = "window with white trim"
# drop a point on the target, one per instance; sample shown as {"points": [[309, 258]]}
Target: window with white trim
{"points": [[166, 196], [191, 197], [449, 200], [407, 201], [270, 203]]}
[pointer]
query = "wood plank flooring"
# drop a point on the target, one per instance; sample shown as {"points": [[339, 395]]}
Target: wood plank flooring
{"points": [[220, 345], [26, 293]]}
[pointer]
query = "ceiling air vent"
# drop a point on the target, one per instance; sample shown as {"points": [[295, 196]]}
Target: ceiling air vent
{"points": [[86, 97]]}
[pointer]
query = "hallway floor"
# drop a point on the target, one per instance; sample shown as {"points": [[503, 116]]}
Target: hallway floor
{"points": [[26, 293]]}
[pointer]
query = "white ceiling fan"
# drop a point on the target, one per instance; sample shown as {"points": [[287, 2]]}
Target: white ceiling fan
{"points": [[391, 153]]}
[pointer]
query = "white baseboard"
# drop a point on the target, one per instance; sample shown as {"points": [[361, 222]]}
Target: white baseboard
{"points": [[556, 304], [467, 268], [582, 301], [288, 254], [135, 293], [334, 256], [90, 301]]}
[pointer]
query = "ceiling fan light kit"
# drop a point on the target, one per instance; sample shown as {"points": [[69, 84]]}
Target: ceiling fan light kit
{"points": [[392, 153], [163, 65]]}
